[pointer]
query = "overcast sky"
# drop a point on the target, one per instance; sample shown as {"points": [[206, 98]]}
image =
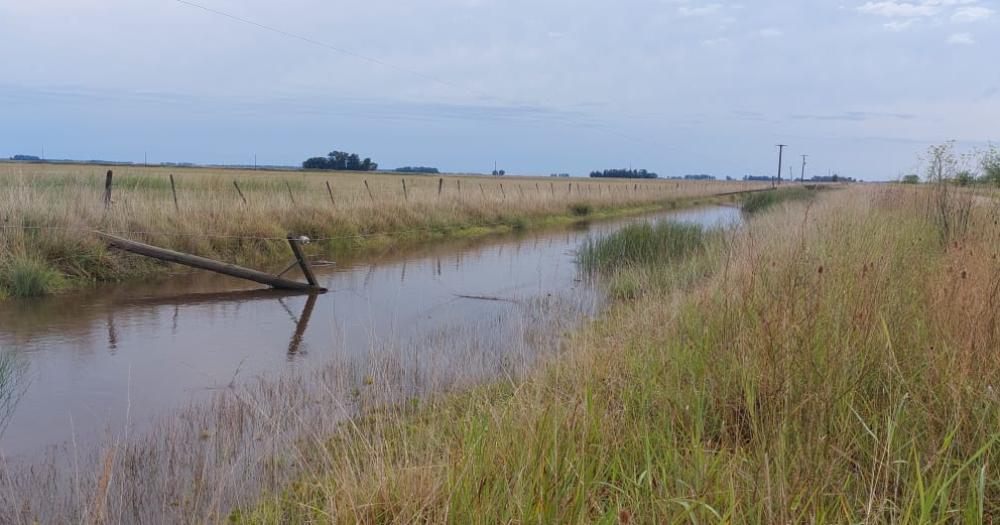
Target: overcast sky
{"points": [[539, 86]]}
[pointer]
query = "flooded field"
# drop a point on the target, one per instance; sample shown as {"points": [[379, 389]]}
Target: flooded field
{"points": [[108, 361]]}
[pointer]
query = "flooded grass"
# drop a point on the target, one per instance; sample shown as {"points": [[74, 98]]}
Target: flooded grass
{"points": [[255, 438], [840, 372], [13, 381], [642, 244]]}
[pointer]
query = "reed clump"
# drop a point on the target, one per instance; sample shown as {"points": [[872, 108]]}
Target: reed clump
{"points": [[841, 372], [642, 244], [760, 201]]}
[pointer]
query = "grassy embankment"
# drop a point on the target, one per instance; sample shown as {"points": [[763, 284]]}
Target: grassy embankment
{"points": [[833, 362], [49, 211]]}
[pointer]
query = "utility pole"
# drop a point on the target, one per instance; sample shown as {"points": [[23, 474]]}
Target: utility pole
{"points": [[781, 153], [802, 178]]}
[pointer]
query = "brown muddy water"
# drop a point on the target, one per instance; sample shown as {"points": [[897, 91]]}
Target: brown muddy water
{"points": [[107, 361]]}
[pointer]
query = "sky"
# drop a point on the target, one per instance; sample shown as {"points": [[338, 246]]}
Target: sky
{"points": [[538, 86]]}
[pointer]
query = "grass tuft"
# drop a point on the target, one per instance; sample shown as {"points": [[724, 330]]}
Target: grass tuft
{"points": [[29, 277], [581, 209], [642, 244]]}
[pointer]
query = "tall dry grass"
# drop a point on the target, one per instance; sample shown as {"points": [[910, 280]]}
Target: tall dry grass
{"points": [[833, 362], [48, 211]]}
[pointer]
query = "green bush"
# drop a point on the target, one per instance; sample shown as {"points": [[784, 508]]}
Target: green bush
{"points": [[581, 209]]}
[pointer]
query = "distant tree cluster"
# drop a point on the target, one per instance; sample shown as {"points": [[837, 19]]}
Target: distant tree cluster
{"points": [[25, 157], [945, 165], [499, 173], [700, 176], [340, 160], [559, 175], [416, 169], [624, 174], [832, 178]]}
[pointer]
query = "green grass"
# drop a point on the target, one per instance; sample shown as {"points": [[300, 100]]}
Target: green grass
{"points": [[29, 277], [642, 244]]}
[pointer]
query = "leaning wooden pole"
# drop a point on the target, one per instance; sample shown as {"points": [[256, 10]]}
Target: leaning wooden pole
{"points": [[303, 263], [213, 266]]}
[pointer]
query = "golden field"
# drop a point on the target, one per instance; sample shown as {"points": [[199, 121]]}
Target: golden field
{"points": [[51, 210]]}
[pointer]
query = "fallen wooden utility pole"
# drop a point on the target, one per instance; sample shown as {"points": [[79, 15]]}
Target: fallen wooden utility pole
{"points": [[220, 267]]}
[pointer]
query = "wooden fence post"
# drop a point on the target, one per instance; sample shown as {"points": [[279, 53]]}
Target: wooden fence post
{"points": [[481, 190], [107, 190], [440, 185], [503, 192], [303, 264], [330, 192], [370, 196], [289, 186], [240, 192], [406, 196], [173, 189]]}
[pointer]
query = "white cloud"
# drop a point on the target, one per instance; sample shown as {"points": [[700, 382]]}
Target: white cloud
{"points": [[971, 14], [899, 9], [705, 10], [899, 25], [961, 39], [904, 14]]}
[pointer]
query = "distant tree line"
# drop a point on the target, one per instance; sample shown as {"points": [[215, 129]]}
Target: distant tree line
{"points": [[25, 157], [700, 176], [624, 174], [416, 169], [814, 178], [340, 160]]}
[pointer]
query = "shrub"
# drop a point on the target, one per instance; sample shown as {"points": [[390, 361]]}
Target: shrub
{"points": [[581, 209]]}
